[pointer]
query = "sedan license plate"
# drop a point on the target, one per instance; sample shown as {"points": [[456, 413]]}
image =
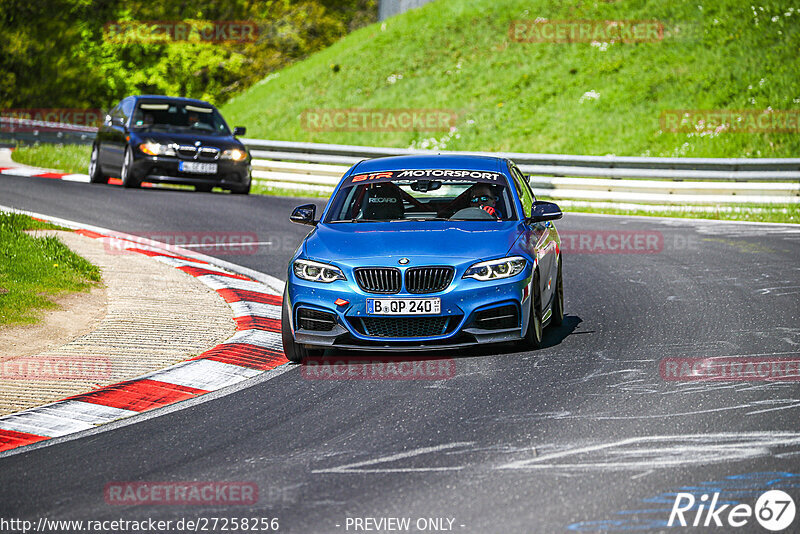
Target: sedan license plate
{"points": [[197, 167], [431, 306]]}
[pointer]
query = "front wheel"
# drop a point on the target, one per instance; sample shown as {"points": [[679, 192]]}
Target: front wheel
{"points": [[95, 175], [244, 190], [295, 352], [533, 337], [557, 318], [128, 181]]}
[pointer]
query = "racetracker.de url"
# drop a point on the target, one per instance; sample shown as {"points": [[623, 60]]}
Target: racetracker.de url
{"points": [[193, 524]]}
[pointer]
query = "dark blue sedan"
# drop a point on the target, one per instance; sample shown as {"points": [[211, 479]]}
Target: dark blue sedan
{"points": [[421, 253], [173, 140]]}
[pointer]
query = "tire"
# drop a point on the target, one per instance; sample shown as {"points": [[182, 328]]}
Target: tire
{"points": [[128, 181], [557, 318], [295, 352], [95, 174], [533, 337], [241, 190], [203, 188]]}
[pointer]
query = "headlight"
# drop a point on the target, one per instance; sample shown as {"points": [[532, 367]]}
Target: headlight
{"points": [[317, 272], [496, 269], [235, 154], [157, 149]]}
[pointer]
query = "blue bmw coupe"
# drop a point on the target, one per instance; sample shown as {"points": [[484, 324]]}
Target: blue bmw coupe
{"points": [[421, 253]]}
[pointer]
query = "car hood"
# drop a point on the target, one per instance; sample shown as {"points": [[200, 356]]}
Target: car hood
{"points": [[390, 241], [219, 141]]}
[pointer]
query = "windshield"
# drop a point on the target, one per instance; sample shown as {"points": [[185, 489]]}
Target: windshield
{"points": [[423, 195], [176, 117]]}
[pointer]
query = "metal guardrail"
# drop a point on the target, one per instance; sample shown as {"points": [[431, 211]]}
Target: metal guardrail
{"points": [[318, 167], [32, 131], [323, 178], [349, 154]]}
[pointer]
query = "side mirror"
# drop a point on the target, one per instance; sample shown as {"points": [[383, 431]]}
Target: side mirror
{"points": [[239, 130], [545, 211], [304, 214]]}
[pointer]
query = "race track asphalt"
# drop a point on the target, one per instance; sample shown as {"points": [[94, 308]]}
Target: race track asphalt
{"points": [[585, 434]]}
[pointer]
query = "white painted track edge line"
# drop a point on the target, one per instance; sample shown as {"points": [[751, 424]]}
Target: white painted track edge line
{"points": [[678, 219], [261, 376], [156, 412]]}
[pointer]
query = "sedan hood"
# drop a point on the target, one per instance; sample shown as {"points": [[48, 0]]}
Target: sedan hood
{"points": [[393, 240]]}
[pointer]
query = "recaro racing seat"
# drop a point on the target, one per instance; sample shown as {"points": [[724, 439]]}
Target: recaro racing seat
{"points": [[383, 202]]}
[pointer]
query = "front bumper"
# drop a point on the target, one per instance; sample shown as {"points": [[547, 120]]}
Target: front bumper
{"points": [[466, 304], [164, 169]]}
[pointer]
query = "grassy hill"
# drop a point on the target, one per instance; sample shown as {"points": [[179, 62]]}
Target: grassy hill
{"points": [[576, 98], [581, 98]]}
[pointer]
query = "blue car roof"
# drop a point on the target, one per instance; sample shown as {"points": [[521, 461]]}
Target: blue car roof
{"points": [[434, 161]]}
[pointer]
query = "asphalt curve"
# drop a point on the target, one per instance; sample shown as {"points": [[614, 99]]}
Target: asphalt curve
{"points": [[585, 434]]}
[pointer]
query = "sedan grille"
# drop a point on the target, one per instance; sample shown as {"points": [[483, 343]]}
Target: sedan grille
{"points": [[383, 280], [203, 153], [428, 279], [187, 151], [208, 153], [404, 327]]}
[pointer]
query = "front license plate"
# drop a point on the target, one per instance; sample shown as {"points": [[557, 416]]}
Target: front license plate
{"points": [[431, 306], [197, 167]]}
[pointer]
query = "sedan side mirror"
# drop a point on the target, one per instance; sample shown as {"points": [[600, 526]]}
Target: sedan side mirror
{"points": [[239, 130], [545, 211], [304, 214]]}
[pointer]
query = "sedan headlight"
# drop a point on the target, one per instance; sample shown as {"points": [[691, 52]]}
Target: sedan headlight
{"points": [[317, 272], [157, 149], [235, 154], [496, 269]]}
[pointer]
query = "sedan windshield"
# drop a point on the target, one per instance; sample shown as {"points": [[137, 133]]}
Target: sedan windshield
{"points": [[178, 117], [423, 195]]}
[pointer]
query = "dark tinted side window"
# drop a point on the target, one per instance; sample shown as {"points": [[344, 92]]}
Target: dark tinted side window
{"points": [[113, 114], [127, 109], [525, 194]]}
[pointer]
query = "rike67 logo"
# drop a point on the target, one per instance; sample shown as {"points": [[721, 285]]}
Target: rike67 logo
{"points": [[774, 510]]}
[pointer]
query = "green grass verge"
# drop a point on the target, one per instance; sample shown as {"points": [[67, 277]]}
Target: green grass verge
{"points": [[72, 159], [775, 213], [564, 98], [32, 269], [259, 188]]}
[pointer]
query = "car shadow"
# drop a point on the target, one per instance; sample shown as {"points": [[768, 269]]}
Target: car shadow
{"points": [[553, 336]]}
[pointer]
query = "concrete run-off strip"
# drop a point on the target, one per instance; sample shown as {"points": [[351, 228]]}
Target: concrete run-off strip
{"points": [[156, 316]]}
